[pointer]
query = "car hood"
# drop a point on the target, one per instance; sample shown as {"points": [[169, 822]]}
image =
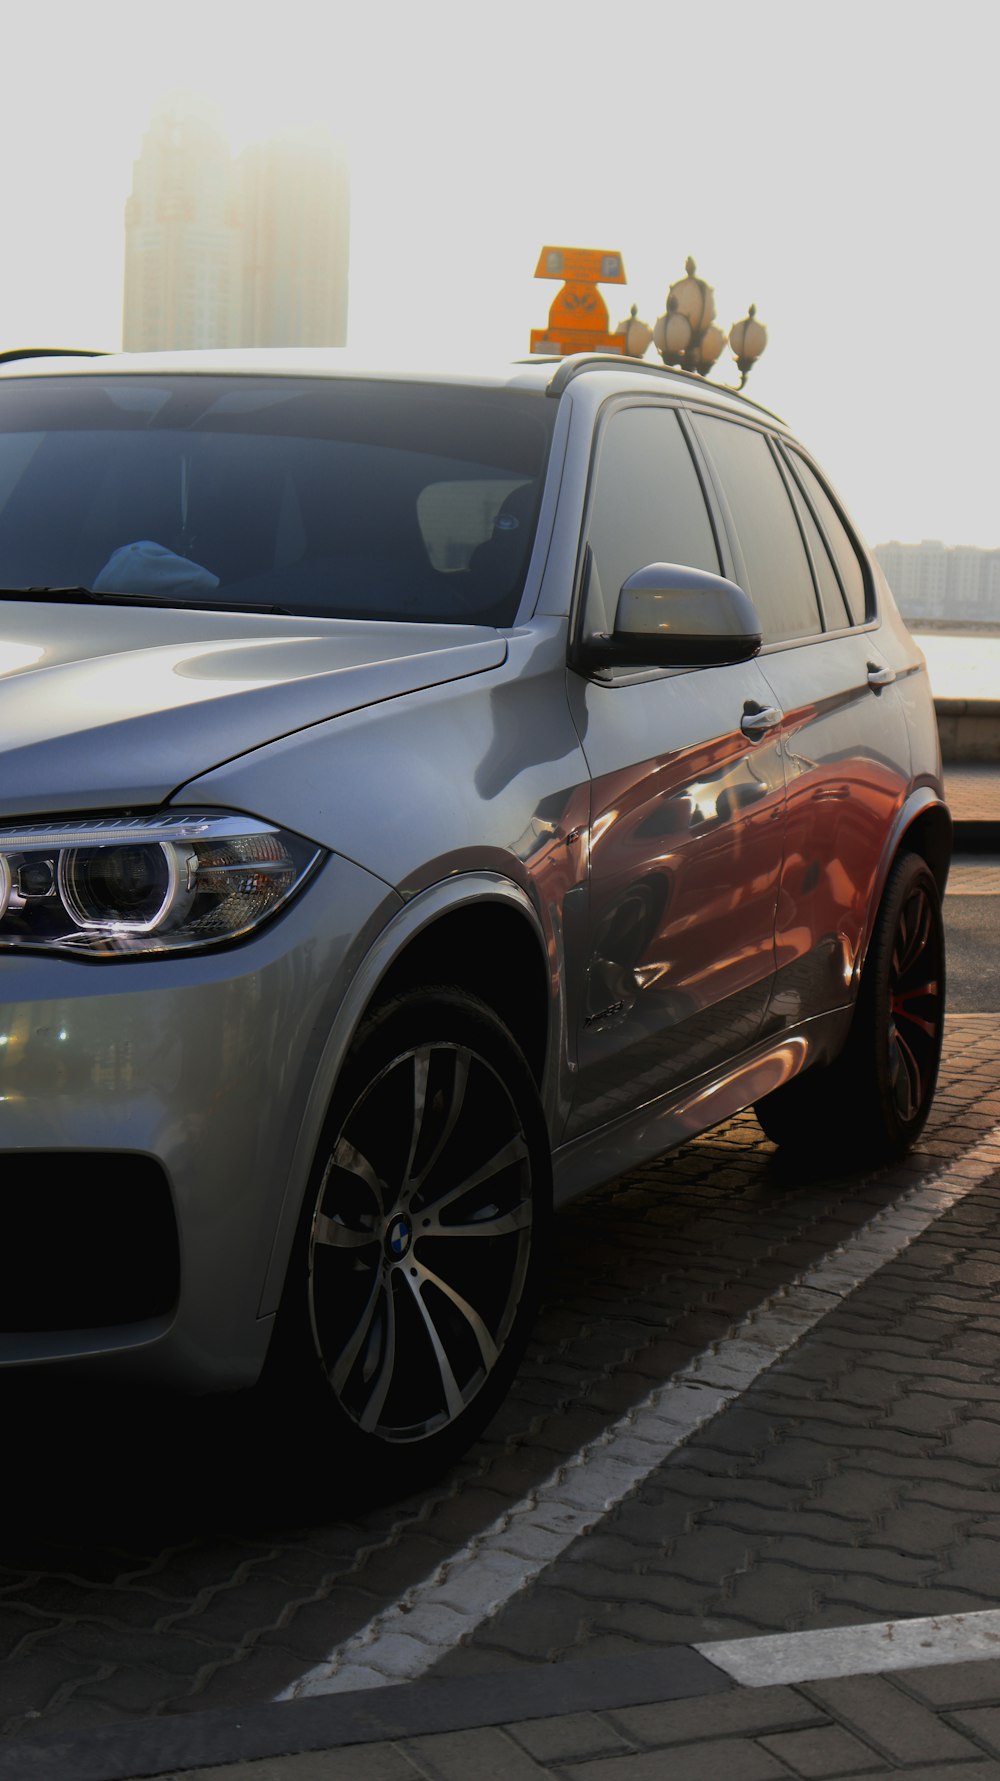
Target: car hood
{"points": [[114, 706]]}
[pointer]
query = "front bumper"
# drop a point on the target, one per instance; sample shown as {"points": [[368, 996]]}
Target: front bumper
{"points": [[209, 1073]]}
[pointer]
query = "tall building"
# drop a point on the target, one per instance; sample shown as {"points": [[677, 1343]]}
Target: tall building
{"points": [[182, 284], [217, 253], [295, 218]]}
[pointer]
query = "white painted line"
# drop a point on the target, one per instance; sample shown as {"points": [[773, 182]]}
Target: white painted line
{"points": [[408, 1638], [857, 1650]]}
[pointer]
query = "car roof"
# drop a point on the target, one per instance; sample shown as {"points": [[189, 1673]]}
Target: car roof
{"points": [[538, 372]]}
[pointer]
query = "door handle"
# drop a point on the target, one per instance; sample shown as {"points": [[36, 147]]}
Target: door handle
{"points": [[879, 677], [758, 718]]}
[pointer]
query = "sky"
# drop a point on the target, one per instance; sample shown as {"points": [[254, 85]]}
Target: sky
{"points": [[836, 164]]}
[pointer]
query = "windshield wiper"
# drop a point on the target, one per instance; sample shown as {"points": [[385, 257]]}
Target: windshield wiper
{"points": [[83, 596]]}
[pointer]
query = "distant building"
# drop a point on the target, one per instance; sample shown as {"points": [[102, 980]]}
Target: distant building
{"points": [[182, 238], [295, 219], [937, 581], [217, 253]]}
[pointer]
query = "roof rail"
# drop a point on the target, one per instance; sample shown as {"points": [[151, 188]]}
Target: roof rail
{"points": [[51, 352], [574, 364]]}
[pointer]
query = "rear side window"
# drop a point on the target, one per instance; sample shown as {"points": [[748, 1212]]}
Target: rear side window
{"points": [[647, 507], [842, 544], [779, 578], [833, 599]]}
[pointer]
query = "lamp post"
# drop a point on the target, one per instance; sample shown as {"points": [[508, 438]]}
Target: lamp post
{"points": [[637, 335], [687, 333], [747, 339]]}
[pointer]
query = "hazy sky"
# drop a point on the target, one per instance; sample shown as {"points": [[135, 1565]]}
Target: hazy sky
{"points": [[837, 164]]}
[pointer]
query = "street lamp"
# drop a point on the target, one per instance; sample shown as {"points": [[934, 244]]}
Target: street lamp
{"points": [[747, 339], [637, 335], [687, 334]]}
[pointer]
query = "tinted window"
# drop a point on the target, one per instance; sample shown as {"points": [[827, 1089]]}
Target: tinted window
{"points": [[832, 596], [851, 572], [778, 574], [351, 499], [647, 507]]}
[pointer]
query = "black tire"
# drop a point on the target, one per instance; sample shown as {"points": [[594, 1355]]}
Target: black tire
{"points": [[870, 1106], [415, 1274]]}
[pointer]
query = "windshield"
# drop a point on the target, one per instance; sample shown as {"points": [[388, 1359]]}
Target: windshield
{"points": [[347, 498]]}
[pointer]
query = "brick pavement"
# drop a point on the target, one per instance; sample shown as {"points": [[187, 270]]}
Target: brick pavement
{"points": [[978, 877], [858, 1479], [972, 789]]}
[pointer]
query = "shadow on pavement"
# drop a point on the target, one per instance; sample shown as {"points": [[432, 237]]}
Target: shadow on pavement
{"points": [[130, 1469]]}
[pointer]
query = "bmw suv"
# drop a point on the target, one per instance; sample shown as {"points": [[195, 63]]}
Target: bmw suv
{"points": [[423, 799]]}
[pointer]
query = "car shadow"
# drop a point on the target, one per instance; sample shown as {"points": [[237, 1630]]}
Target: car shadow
{"points": [[90, 1465]]}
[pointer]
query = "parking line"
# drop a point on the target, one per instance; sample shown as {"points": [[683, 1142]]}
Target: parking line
{"points": [[857, 1650], [408, 1638]]}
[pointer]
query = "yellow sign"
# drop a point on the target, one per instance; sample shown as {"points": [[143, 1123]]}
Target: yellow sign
{"points": [[578, 318]]}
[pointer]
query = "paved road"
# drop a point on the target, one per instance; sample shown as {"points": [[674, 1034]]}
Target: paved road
{"points": [[168, 1562], [972, 911]]}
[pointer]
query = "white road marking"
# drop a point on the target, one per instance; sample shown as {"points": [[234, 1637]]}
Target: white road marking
{"points": [[857, 1650], [408, 1638]]}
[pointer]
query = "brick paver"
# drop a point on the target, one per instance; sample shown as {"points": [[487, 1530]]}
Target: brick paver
{"points": [[972, 789], [975, 877], [857, 1480]]}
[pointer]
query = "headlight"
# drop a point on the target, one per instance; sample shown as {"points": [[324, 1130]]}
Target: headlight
{"points": [[118, 885]]}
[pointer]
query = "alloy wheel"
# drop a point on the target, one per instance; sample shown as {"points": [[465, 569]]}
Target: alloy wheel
{"points": [[420, 1241], [915, 1004]]}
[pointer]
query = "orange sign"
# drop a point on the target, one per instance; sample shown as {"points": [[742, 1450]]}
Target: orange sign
{"points": [[578, 318], [580, 265]]}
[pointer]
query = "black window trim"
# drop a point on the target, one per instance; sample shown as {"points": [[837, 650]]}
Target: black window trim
{"points": [[791, 449], [792, 490], [742, 575]]}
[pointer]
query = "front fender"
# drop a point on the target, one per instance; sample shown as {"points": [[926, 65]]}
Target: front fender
{"points": [[411, 920]]}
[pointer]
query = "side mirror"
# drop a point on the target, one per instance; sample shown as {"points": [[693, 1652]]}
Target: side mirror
{"points": [[672, 617]]}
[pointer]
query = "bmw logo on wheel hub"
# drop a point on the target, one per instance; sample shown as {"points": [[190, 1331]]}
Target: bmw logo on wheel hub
{"points": [[398, 1238]]}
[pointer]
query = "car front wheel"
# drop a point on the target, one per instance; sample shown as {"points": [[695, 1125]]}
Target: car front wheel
{"points": [[415, 1276]]}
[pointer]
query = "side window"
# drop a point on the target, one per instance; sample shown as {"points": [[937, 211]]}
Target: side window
{"points": [[836, 613], [647, 507], [842, 544], [780, 580]]}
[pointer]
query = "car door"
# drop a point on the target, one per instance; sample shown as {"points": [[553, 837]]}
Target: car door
{"points": [[685, 842], [843, 729]]}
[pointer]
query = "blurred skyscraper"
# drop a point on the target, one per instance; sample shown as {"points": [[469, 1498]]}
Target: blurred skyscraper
{"points": [[222, 253], [295, 215], [181, 236]]}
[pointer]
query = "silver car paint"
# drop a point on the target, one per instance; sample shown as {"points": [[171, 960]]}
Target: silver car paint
{"points": [[208, 1063], [175, 691]]}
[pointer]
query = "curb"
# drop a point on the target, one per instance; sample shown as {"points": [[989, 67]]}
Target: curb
{"points": [[171, 1745]]}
